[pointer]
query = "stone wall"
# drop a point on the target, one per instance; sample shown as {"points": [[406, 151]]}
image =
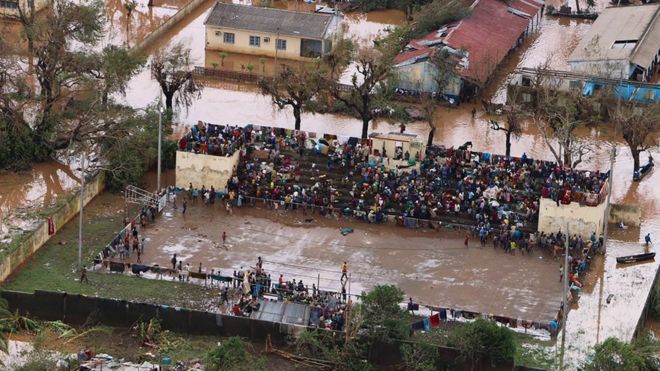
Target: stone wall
{"points": [[630, 215], [581, 220], [37, 238], [204, 170]]}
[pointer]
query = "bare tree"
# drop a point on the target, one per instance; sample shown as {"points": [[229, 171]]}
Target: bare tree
{"points": [[172, 67], [638, 124], [293, 87], [513, 129], [372, 70]]}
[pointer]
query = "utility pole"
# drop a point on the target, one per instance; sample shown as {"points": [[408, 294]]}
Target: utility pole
{"points": [[564, 306], [160, 139], [80, 214]]}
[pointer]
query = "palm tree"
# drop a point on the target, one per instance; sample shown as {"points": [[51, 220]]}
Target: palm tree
{"points": [[222, 56]]}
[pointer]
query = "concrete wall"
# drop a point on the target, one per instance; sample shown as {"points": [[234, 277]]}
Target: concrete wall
{"points": [[582, 220], [204, 170], [37, 238], [631, 215]]}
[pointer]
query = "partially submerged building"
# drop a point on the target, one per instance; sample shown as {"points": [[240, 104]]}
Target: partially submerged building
{"points": [[623, 43], [476, 45], [270, 32]]}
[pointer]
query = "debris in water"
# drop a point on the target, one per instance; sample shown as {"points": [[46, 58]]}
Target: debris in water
{"points": [[609, 298]]}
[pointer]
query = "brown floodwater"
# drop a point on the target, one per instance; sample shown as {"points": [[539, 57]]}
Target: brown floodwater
{"points": [[426, 264], [431, 266], [31, 190]]}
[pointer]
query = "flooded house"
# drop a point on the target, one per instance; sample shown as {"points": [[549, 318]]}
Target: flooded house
{"points": [[270, 32], [475, 46], [618, 58], [623, 43]]}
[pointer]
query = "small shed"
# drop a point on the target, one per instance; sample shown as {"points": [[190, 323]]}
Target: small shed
{"points": [[395, 145]]}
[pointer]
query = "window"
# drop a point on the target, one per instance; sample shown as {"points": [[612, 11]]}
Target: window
{"points": [[527, 98], [218, 33], [9, 4], [624, 44], [255, 41], [281, 44], [229, 38]]}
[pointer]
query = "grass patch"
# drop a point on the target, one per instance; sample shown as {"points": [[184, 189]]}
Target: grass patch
{"points": [[535, 353], [54, 267]]}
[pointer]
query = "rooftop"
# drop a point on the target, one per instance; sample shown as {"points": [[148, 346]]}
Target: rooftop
{"points": [[623, 33], [485, 36], [267, 20]]}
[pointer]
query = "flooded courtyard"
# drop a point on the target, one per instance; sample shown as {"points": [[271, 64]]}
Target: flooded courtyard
{"points": [[432, 266]]}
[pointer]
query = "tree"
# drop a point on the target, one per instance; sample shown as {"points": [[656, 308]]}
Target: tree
{"points": [[637, 125], [172, 67], [37, 120], [383, 317], [613, 354], [130, 6], [429, 106], [293, 88], [556, 116], [234, 354], [222, 56], [512, 129], [114, 68], [371, 70], [484, 340], [5, 314]]}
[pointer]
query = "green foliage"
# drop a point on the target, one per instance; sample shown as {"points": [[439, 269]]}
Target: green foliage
{"points": [[613, 354], [234, 354], [384, 319], [436, 14], [130, 156], [420, 356], [484, 340], [333, 349]]}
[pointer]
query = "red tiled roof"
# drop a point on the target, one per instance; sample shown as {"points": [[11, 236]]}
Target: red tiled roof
{"points": [[487, 35]]}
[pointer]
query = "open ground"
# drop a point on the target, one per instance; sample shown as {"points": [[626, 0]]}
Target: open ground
{"points": [[432, 266]]}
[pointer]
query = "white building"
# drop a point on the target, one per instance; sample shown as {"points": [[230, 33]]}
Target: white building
{"points": [[624, 42]]}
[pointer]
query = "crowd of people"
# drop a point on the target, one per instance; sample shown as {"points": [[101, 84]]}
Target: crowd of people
{"points": [[285, 167], [205, 138]]}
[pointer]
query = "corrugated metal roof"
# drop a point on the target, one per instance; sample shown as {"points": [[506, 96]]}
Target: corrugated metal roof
{"points": [[489, 33], [267, 20], [486, 36], [628, 23]]}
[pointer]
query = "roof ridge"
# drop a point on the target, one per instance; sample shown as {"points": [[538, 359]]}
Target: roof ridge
{"points": [[271, 9]]}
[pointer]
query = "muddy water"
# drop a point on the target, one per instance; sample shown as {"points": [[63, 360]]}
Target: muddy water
{"points": [[431, 266], [25, 192], [238, 104]]}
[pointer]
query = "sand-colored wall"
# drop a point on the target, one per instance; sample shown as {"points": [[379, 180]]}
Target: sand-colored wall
{"points": [[40, 236], [241, 45], [204, 170], [581, 220], [630, 215]]}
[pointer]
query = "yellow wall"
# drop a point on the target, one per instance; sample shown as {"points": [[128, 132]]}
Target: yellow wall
{"points": [[242, 43], [204, 170], [582, 220]]}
